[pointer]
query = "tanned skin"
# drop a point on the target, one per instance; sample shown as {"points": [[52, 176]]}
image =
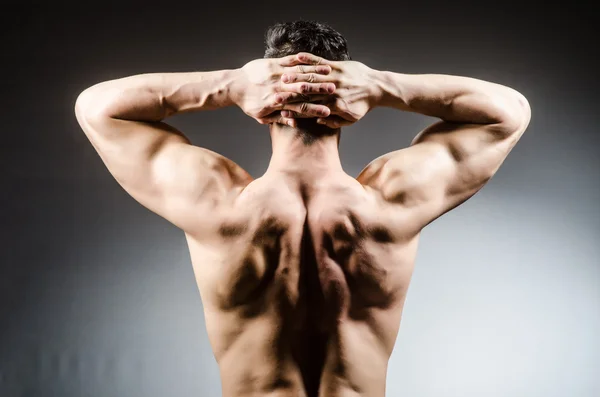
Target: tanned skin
{"points": [[303, 272]]}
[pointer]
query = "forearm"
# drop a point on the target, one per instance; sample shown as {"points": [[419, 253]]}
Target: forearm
{"points": [[450, 98], [155, 96]]}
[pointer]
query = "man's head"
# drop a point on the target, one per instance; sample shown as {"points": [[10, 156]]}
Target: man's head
{"points": [[289, 38]]}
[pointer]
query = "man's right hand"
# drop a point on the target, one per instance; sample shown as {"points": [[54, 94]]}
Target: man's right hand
{"points": [[356, 90], [262, 95]]}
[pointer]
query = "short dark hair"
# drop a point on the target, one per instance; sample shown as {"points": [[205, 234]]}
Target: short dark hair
{"points": [[289, 38]]}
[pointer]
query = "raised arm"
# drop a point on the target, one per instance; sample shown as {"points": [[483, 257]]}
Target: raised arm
{"points": [[152, 161], [451, 160], [155, 163]]}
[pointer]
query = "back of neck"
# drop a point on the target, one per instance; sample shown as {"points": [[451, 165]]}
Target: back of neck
{"points": [[305, 153]]}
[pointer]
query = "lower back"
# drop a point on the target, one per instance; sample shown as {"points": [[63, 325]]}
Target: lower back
{"points": [[266, 359]]}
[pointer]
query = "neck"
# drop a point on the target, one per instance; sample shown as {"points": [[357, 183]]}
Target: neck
{"points": [[306, 152]]}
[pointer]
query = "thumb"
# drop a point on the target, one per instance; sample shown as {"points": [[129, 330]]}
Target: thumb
{"points": [[277, 118]]}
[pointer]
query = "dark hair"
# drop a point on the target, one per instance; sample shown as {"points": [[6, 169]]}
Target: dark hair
{"points": [[289, 38]]}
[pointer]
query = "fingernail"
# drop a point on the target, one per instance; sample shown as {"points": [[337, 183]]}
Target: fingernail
{"points": [[330, 89]]}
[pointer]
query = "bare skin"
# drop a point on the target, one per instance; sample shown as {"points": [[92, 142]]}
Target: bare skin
{"points": [[304, 271]]}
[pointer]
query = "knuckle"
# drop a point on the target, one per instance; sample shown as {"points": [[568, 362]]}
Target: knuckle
{"points": [[304, 107]]}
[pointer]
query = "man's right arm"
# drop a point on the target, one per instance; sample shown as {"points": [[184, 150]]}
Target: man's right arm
{"points": [[451, 160]]}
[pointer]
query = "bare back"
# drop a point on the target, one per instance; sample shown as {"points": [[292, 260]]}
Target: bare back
{"points": [[303, 288], [303, 280]]}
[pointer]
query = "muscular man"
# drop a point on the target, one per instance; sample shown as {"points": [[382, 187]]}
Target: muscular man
{"points": [[303, 271]]}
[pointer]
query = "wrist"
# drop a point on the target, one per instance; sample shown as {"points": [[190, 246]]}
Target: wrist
{"points": [[376, 96], [236, 86], [196, 91], [389, 89], [216, 89]]}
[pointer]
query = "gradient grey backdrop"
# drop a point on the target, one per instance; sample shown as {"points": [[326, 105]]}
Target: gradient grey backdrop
{"points": [[97, 296]]}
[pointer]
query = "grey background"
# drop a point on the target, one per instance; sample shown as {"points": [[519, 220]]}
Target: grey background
{"points": [[97, 296]]}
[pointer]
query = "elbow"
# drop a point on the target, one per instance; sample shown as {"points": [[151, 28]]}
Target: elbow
{"points": [[87, 105], [83, 104], [93, 103], [522, 111], [87, 114], [516, 113]]}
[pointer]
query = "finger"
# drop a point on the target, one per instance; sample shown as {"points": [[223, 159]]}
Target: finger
{"points": [[278, 118], [320, 69], [308, 58], [308, 77], [282, 98], [289, 60], [333, 121], [303, 58], [341, 114], [305, 109], [294, 115], [308, 88]]}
